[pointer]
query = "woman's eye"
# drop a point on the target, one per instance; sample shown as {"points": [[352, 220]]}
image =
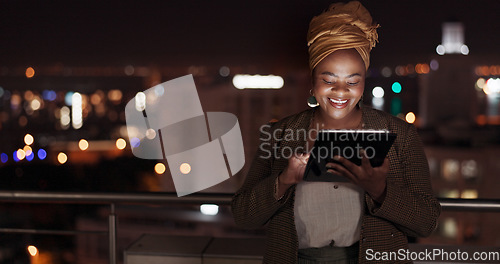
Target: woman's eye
{"points": [[327, 82], [352, 83]]}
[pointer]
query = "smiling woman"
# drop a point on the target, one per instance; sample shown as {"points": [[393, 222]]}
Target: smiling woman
{"points": [[373, 209]]}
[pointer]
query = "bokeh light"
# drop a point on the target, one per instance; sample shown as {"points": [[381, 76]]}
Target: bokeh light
{"points": [[30, 72], [209, 209], [32, 250], [14, 156], [121, 143], [62, 157], [160, 168], [20, 154], [224, 71], [27, 150], [434, 65], [42, 154], [68, 98], [378, 92], [83, 144], [4, 157], [30, 156], [396, 87], [28, 139], [49, 95], [410, 117]]}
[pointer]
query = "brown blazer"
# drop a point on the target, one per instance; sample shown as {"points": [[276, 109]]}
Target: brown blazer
{"points": [[409, 209]]}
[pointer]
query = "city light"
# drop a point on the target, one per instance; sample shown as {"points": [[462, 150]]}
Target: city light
{"points": [[245, 81], [129, 70], [30, 72], [464, 50], [434, 65], [36, 104], [378, 92], [65, 118], [4, 157], [62, 157], [209, 209], [378, 103], [28, 139], [396, 87], [68, 98], [440, 50], [21, 154], [492, 86], [422, 68], [224, 71], [480, 83], [453, 39], [42, 154], [121, 143], [30, 156], [32, 250], [27, 150], [386, 72], [83, 144], [115, 96], [76, 110], [410, 117], [469, 194], [49, 95], [160, 168]]}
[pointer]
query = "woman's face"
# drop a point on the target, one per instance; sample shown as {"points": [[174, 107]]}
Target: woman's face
{"points": [[338, 83]]}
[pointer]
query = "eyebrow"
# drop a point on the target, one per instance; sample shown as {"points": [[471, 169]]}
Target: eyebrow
{"points": [[335, 75]]}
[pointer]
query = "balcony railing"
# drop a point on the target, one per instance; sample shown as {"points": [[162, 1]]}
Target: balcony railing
{"points": [[111, 199]]}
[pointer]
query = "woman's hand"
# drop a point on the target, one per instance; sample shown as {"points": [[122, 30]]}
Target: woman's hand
{"points": [[294, 172], [372, 180]]}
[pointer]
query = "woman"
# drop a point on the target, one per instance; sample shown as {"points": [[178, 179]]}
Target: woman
{"points": [[337, 222]]}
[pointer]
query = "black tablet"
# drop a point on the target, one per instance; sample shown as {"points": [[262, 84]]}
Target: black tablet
{"points": [[347, 144]]}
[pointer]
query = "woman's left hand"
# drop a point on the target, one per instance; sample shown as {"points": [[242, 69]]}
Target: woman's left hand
{"points": [[372, 180]]}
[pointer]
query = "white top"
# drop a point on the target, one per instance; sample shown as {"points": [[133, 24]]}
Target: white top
{"points": [[326, 212]]}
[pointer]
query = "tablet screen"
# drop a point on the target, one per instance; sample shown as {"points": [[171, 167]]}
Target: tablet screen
{"points": [[347, 144]]}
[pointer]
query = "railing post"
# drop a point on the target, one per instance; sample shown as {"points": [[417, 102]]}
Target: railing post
{"points": [[112, 234]]}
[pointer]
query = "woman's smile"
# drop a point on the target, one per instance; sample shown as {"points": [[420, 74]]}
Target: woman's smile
{"points": [[338, 103]]}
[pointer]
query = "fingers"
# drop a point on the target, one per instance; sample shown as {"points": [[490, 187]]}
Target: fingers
{"points": [[304, 157], [365, 162], [347, 163]]}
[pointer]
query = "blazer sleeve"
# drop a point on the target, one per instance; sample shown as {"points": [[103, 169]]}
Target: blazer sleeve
{"points": [[254, 203], [410, 203]]}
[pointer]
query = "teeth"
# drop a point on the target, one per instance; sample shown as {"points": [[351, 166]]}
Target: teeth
{"points": [[338, 101]]}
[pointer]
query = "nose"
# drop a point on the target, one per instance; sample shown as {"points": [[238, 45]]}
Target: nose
{"points": [[339, 88]]}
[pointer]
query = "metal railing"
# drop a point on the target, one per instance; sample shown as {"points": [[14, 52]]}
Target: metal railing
{"points": [[111, 199]]}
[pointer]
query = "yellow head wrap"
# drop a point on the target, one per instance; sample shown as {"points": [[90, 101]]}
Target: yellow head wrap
{"points": [[342, 26]]}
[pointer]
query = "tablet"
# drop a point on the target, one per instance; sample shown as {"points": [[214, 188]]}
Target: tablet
{"points": [[347, 144]]}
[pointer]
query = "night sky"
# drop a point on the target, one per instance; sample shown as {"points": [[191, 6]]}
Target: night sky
{"points": [[262, 33]]}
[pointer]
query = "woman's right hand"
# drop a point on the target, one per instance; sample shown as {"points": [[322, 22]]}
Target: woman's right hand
{"points": [[294, 172]]}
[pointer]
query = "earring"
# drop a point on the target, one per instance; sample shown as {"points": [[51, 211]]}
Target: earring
{"points": [[312, 102], [360, 103]]}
